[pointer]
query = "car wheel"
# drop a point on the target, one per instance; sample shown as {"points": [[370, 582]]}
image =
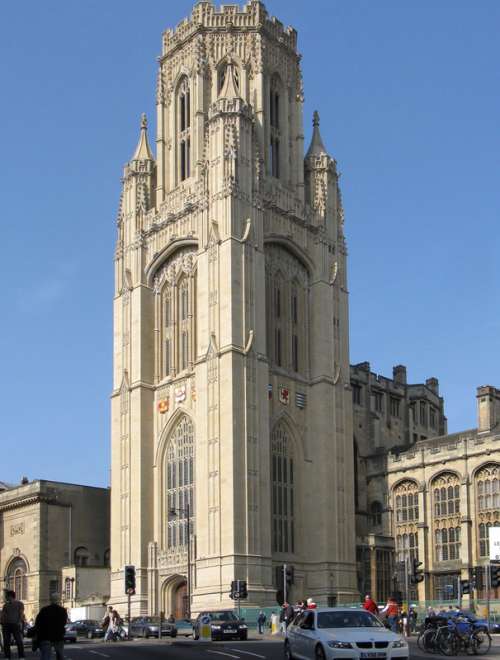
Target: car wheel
{"points": [[90, 635], [196, 636], [288, 651], [173, 633], [320, 654], [145, 633], [243, 637]]}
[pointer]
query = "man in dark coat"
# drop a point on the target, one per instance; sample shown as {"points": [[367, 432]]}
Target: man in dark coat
{"points": [[49, 626]]}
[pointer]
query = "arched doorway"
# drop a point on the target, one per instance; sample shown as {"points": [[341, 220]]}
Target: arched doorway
{"points": [[180, 601]]}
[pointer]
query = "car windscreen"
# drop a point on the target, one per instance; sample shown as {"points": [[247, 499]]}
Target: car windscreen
{"points": [[222, 616], [151, 619], [347, 620]]}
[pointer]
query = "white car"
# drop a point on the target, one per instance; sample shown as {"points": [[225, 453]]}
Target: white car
{"points": [[336, 632]]}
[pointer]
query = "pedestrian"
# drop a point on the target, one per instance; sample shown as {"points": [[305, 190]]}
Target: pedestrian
{"points": [[109, 623], [311, 605], [12, 619], [370, 605], [391, 610], [261, 621], [49, 626], [171, 618], [404, 623], [413, 616]]}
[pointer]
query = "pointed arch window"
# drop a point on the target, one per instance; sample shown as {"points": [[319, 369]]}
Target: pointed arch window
{"points": [[283, 495], [184, 129], [274, 126], [445, 490], [487, 482], [16, 579], [180, 484]]}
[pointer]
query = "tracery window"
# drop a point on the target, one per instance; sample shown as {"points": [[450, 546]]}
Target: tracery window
{"points": [[283, 496], [487, 481], [287, 286], [175, 285], [446, 520], [15, 578], [405, 503], [275, 126], [184, 129], [180, 484]]}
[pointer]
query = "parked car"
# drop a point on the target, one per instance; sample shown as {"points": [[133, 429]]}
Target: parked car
{"points": [[184, 627], [69, 635], [149, 626], [87, 628], [224, 624], [328, 633]]}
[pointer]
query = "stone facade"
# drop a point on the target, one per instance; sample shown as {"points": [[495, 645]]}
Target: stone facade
{"points": [[437, 499], [231, 403], [48, 527]]}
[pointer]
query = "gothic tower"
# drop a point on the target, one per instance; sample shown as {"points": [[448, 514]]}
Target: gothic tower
{"points": [[231, 404]]}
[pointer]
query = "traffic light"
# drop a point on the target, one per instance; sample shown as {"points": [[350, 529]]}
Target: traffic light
{"points": [[289, 575], [234, 590], [477, 581], [417, 574], [130, 580], [465, 587], [495, 576], [242, 589]]}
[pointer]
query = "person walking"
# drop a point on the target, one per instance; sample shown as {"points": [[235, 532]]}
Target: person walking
{"points": [[413, 616], [49, 626], [12, 619], [391, 610], [370, 605], [110, 622], [261, 621]]}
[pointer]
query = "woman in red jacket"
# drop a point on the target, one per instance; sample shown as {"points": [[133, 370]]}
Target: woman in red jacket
{"points": [[370, 604]]}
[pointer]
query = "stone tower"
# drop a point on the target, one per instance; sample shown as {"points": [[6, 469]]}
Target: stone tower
{"points": [[231, 406]]}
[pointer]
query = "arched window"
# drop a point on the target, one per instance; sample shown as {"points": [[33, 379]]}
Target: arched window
{"points": [[82, 556], [446, 520], [184, 129], [15, 578], [175, 286], [283, 497], [67, 589], [487, 504], [376, 513], [274, 126], [405, 502], [180, 484]]}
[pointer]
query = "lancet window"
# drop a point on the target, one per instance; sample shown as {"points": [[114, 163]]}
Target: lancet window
{"points": [[487, 482], [405, 502], [283, 495], [445, 491], [274, 126], [184, 129], [287, 284], [175, 285], [180, 484]]}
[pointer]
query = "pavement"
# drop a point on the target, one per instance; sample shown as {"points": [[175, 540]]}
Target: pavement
{"points": [[262, 647]]}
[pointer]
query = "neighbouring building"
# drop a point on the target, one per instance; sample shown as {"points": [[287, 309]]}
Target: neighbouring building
{"points": [[231, 402], [54, 537], [435, 501]]}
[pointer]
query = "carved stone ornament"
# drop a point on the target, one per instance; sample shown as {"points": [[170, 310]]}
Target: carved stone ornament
{"points": [[183, 261]]}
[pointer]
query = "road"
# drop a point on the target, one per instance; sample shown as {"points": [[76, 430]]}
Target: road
{"points": [[187, 649]]}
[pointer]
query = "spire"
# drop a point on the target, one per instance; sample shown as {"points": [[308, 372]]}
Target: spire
{"points": [[316, 147], [143, 151], [230, 85]]}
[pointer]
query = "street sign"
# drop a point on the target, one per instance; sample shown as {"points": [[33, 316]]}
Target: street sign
{"points": [[494, 537]]}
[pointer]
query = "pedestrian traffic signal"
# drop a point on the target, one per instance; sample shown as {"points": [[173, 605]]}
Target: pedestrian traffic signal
{"points": [[417, 574], [465, 587], [130, 580], [289, 575], [495, 576], [239, 590]]}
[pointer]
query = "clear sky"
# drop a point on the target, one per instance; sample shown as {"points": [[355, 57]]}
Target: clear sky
{"points": [[408, 93]]}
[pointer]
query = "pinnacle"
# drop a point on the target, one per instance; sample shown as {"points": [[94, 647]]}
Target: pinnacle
{"points": [[316, 147], [143, 150]]}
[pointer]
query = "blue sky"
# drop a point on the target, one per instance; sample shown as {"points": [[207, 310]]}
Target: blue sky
{"points": [[409, 101]]}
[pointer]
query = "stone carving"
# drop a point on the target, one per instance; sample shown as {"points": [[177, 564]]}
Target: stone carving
{"points": [[183, 261], [15, 530]]}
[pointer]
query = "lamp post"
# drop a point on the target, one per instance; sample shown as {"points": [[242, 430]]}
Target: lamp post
{"points": [[187, 512]]}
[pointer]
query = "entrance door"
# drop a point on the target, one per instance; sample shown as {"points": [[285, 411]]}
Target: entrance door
{"points": [[180, 601]]}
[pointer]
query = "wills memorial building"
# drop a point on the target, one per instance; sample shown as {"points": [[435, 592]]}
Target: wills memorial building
{"points": [[232, 446]]}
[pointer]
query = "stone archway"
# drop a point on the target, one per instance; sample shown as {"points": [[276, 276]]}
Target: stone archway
{"points": [[174, 597]]}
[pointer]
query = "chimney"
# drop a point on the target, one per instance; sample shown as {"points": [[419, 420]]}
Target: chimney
{"points": [[399, 374], [433, 384], [488, 408]]}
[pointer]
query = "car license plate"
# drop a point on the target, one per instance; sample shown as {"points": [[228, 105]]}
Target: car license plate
{"points": [[230, 630], [373, 654]]}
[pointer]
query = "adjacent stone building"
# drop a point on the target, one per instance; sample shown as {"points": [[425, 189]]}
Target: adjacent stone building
{"points": [[51, 532], [433, 499], [231, 403]]}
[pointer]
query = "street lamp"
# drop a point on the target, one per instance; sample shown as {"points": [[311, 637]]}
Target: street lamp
{"points": [[187, 512]]}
